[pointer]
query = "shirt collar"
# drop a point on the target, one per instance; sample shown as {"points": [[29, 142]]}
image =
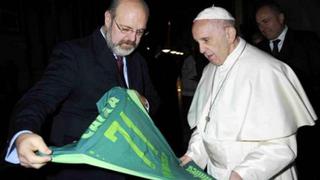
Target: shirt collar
{"points": [[233, 56], [280, 37], [103, 32], [283, 34]]}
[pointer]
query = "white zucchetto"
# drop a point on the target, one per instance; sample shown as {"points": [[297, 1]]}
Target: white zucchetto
{"points": [[214, 13]]}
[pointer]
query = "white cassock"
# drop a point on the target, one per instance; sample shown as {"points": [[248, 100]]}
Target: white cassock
{"points": [[257, 106]]}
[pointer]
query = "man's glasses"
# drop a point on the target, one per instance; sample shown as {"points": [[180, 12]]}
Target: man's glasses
{"points": [[126, 29]]}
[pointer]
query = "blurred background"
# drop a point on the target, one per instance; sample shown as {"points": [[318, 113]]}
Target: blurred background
{"points": [[30, 29]]}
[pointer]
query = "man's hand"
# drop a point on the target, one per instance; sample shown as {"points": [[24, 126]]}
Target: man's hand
{"points": [[184, 160], [27, 145], [143, 100]]}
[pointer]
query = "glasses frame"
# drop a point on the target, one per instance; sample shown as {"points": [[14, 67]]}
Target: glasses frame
{"points": [[127, 29]]}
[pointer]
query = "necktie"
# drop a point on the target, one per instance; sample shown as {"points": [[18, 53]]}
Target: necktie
{"points": [[120, 72], [275, 50]]}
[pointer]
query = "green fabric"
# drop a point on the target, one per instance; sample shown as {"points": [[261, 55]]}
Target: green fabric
{"points": [[123, 138]]}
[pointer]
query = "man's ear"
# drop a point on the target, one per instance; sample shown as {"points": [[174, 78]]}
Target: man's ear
{"points": [[281, 18], [231, 34], [107, 18]]}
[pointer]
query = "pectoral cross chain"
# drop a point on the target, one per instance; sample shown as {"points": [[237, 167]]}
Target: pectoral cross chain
{"points": [[207, 122]]}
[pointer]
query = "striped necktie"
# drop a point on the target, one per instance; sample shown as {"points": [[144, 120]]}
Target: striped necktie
{"points": [[275, 50]]}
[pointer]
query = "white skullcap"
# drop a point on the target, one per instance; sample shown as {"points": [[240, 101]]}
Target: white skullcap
{"points": [[214, 13]]}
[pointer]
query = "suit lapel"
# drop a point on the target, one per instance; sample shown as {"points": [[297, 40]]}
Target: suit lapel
{"points": [[103, 55], [285, 50]]}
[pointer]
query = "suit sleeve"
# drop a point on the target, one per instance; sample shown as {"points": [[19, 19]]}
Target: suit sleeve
{"points": [[42, 100]]}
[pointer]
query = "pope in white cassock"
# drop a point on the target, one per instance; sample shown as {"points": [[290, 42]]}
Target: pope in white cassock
{"points": [[246, 109]]}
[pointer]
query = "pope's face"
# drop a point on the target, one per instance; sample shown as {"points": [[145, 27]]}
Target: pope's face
{"points": [[212, 39], [270, 23]]}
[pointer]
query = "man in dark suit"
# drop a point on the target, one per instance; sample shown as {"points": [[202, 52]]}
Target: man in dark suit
{"points": [[80, 72], [301, 51]]}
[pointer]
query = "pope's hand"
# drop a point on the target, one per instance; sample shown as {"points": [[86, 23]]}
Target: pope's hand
{"points": [[184, 160], [235, 176], [27, 145]]}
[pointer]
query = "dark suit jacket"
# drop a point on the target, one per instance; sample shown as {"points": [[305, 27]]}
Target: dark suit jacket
{"points": [[80, 72], [301, 51]]}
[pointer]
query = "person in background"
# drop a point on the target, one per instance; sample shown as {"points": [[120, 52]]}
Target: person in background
{"points": [[189, 82], [301, 51], [80, 72], [247, 107], [191, 72], [189, 76]]}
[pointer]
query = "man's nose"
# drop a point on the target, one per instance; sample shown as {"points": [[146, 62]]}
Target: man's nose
{"points": [[261, 27], [132, 36], [201, 49]]}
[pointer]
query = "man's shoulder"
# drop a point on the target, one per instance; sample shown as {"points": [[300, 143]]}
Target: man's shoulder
{"points": [[137, 57], [263, 45], [303, 35], [84, 42], [76, 50]]}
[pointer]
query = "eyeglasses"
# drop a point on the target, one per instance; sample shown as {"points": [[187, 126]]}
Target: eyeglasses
{"points": [[126, 29]]}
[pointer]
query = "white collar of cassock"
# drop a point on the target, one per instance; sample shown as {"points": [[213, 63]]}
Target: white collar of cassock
{"points": [[233, 56]]}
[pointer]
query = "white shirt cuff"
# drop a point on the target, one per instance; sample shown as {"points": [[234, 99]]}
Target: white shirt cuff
{"points": [[12, 155]]}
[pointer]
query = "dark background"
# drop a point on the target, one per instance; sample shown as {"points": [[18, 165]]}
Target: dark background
{"points": [[30, 29]]}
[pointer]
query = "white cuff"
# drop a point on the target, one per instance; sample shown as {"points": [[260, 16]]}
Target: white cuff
{"points": [[12, 155]]}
